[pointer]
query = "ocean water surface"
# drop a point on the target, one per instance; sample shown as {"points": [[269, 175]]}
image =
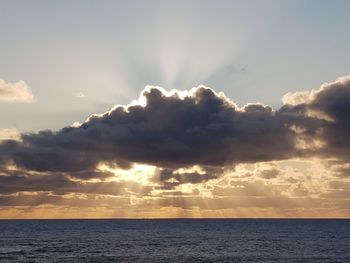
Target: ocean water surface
{"points": [[175, 240]]}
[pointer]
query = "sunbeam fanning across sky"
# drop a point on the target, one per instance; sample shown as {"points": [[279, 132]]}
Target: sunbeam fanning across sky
{"points": [[185, 149], [174, 131]]}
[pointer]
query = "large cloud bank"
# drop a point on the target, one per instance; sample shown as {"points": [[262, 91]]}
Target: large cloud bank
{"points": [[179, 130], [200, 127]]}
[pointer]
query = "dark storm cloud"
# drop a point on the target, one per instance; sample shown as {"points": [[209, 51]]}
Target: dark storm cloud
{"points": [[334, 101], [14, 181], [331, 103], [202, 128], [31, 200]]}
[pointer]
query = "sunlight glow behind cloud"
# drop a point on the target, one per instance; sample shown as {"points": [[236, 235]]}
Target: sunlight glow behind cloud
{"points": [[188, 153]]}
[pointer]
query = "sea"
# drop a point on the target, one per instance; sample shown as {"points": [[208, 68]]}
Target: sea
{"points": [[175, 240]]}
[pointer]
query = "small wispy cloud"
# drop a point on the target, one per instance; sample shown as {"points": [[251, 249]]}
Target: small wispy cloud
{"points": [[232, 69], [15, 92], [80, 95]]}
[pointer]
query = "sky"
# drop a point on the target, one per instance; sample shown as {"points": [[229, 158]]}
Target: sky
{"points": [[149, 109]]}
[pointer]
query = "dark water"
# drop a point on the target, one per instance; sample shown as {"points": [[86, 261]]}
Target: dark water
{"points": [[175, 240]]}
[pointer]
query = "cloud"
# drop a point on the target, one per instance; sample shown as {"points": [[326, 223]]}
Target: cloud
{"points": [[80, 95], [232, 69], [170, 178], [60, 184], [9, 134], [299, 97], [331, 104], [269, 174], [180, 129], [37, 199], [171, 130], [241, 188], [15, 92], [188, 138]]}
